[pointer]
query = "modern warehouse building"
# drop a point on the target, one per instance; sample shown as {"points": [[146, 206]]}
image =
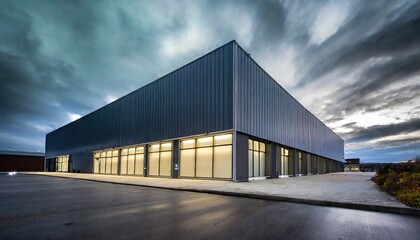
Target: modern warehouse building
{"points": [[219, 117]]}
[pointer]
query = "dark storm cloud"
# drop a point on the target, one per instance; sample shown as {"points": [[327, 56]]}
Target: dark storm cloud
{"points": [[357, 101], [398, 35], [382, 75], [396, 44], [398, 142], [59, 58], [378, 131], [270, 26], [31, 84]]}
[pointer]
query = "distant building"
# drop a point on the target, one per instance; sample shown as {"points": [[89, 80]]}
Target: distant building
{"points": [[219, 117], [21, 161], [352, 165]]}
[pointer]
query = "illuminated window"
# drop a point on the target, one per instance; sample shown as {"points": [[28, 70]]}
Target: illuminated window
{"points": [[188, 143], [299, 163], [139, 164], [207, 157], [160, 159], [223, 139], [256, 158], [284, 161], [187, 162], [154, 164], [132, 161], [308, 163], [223, 162], [62, 164], [204, 162], [205, 142]]}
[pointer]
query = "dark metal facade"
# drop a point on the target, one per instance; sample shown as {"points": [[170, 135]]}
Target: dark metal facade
{"points": [[265, 110], [223, 90], [194, 99]]}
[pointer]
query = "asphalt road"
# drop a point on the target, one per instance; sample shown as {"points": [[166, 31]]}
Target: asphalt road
{"points": [[39, 207]]}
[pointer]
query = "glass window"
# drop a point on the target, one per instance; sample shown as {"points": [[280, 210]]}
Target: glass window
{"points": [[154, 148], [309, 163], [223, 162], [114, 165], [284, 161], [131, 150], [250, 163], [103, 154], [205, 142], [256, 164], [187, 163], [97, 155], [102, 164], [189, 143], [124, 165], [108, 165], [166, 147], [139, 164], [109, 153], [124, 151], [256, 159], [207, 157], [139, 150], [130, 165], [223, 139], [165, 164], [262, 164], [96, 165], [256, 146], [250, 144], [204, 162], [154, 164], [262, 147]]}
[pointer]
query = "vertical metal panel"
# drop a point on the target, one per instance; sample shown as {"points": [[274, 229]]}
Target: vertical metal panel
{"points": [[194, 99], [265, 110]]}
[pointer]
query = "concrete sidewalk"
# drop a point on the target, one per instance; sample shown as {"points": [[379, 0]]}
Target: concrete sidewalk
{"points": [[348, 190]]}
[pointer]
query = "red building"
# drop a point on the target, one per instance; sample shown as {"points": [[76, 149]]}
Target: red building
{"points": [[21, 161]]}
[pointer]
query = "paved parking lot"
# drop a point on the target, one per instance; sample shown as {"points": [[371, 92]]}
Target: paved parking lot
{"points": [[40, 207], [338, 187]]}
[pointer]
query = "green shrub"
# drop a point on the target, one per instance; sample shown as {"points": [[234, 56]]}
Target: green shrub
{"points": [[403, 182]]}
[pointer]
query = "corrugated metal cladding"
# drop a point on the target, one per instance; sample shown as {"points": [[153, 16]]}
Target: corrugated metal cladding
{"points": [[265, 110], [194, 99]]}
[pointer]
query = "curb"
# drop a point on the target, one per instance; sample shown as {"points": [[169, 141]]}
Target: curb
{"points": [[357, 206]]}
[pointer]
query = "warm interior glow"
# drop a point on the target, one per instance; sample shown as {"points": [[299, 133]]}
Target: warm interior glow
{"points": [[262, 147], [140, 150], [131, 150], [204, 166], [124, 151], [189, 143], [187, 163], [223, 139], [256, 146], [166, 146], [154, 148], [222, 162], [206, 141]]}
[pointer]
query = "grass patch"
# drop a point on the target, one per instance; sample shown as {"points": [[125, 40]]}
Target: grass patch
{"points": [[401, 181]]}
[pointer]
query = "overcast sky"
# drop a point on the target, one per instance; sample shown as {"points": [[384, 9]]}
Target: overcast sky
{"points": [[354, 64]]}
